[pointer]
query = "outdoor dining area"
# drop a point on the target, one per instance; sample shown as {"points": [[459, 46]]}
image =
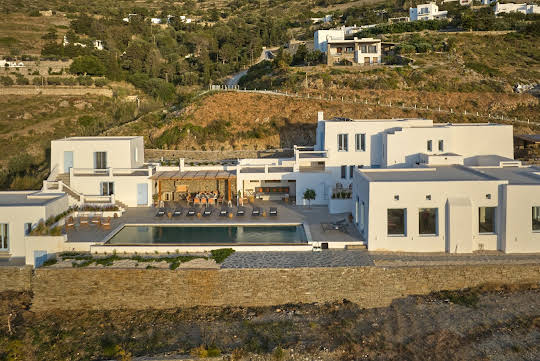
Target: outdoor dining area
{"points": [[194, 187]]}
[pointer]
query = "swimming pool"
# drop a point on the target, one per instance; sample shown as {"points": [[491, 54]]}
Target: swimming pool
{"points": [[209, 234]]}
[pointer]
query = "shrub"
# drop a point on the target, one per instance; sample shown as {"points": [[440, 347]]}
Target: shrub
{"points": [[85, 80], [21, 80], [6, 81], [219, 255], [69, 81], [101, 82], [50, 262], [54, 80]]}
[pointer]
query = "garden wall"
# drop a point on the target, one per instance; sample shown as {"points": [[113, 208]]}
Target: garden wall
{"points": [[55, 91], [152, 288], [15, 278]]}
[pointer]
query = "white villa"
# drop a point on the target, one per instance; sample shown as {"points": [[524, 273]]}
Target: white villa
{"points": [[427, 12], [519, 8], [410, 184]]}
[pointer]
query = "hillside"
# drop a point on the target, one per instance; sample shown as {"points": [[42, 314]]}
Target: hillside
{"points": [[236, 120]]}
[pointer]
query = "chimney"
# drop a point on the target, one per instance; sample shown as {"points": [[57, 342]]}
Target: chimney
{"points": [[320, 116]]}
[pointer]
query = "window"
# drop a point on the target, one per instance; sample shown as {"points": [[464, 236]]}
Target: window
{"points": [[100, 160], [360, 142], [349, 50], [107, 188], [4, 236], [136, 154], [364, 48], [396, 197], [429, 145], [351, 171], [372, 48], [486, 220], [343, 142], [441, 145], [427, 218], [396, 222], [27, 228], [343, 172], [339, 50], [536, 219], [428, 197]]}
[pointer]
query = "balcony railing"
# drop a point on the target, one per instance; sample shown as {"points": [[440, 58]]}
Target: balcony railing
{"points": [[111, 172]]}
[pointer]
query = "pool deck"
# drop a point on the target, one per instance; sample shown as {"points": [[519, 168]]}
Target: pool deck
{"points": [[312, 216]]}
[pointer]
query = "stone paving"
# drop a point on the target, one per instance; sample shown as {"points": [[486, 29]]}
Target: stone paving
{"points": [[347, 258], [326, 258]]}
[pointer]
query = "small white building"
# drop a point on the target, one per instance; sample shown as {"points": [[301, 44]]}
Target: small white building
{"points": [[11, 64], [450, 207], [320, 38], [516, 8], [101, 169], [20, 212], [427, 12]]}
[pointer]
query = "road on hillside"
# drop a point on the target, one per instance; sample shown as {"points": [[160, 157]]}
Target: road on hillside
{"points": [[266, 54]]}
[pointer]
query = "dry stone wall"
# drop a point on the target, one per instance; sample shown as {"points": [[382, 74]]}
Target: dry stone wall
{"points": [[196, 155], [55, 91], [152, 288], [15, 278]]}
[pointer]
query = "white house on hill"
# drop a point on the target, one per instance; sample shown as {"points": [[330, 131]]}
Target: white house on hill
{"points": [[427, 12], [519, 8]]}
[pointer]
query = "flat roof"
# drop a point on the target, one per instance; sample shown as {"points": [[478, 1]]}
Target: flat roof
{"points": [[27, 198], [528, 175], [446, 173], [531, 138], [524, 175], [342, 119], [98, 138]]}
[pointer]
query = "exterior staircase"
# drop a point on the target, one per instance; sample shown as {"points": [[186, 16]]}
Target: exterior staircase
{"points": [[120, 204], [64, 177]]}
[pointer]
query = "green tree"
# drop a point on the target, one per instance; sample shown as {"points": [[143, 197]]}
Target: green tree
{"points": [[309, 195], [87, 64]]}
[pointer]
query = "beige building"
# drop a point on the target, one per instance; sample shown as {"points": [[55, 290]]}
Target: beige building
{"points": [[355, 51]]}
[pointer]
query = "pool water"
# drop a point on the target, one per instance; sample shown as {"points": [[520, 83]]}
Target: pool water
{"points": [[233, 234]]}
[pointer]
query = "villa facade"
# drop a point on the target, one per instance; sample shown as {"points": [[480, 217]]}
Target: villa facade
{"points": [[410, 184]]}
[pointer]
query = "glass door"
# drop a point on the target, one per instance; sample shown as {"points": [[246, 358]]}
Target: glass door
{"points": [[100, 160], [4, 237]]}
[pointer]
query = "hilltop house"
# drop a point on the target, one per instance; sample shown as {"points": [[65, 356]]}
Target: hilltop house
{"points": [[427, 12], [355, 51], [519, 8]]}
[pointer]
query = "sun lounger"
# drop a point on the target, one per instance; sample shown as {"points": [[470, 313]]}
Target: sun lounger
{"points": [[160, 212], [177, 212], [191, 212], [241, 211], [83, 221], [70, 223], [106, 223], [256, 211], [96, 220], [224, 211], [208, 211], [273, 211]]}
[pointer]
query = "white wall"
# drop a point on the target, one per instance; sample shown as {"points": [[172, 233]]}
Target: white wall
{"points": [[519, 237], [120, 151], [412, 196], [17, 216], [403, 147], [125, 187], [373, 130], [320, 38]]}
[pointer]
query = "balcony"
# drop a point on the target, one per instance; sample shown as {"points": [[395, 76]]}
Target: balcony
{"points": [[112, 172]]}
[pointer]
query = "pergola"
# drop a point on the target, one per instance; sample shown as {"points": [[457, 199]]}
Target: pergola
{"points": [[186, 181]]}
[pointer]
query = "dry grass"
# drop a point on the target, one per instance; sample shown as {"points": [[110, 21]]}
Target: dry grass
{"points": [[22, 32]]}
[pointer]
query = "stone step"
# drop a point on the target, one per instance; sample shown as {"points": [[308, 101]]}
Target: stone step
{"points": [[355, 246]]}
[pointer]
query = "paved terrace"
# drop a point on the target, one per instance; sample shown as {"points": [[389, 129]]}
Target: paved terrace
{"points": [[287, 213]]}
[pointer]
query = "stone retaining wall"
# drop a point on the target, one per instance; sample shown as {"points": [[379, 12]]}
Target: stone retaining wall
{"points": [[367, 286], [15, 278], [157, 154], [55, 91]]}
